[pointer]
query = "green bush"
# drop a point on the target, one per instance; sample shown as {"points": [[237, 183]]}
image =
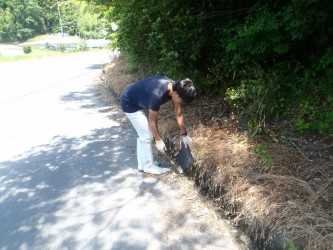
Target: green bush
{"points": [[82, 47], [262, 153], [27, 49], [62, 47], [270, 59]]}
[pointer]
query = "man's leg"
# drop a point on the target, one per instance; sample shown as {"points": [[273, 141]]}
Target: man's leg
{"points": [[144, 151], [138, 154], [144, 147]]}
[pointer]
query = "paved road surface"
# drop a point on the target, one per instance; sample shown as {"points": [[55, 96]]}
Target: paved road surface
{"points": [[67, 170]]}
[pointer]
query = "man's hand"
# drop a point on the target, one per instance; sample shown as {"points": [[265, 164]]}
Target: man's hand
{"points": [[186, 140], [160, 146]]}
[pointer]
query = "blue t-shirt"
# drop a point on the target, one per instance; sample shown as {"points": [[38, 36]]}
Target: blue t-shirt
{"points": [[149, 93]]}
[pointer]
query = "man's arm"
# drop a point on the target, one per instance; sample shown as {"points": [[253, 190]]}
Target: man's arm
{"points": [[152, 120], [180, 118]]}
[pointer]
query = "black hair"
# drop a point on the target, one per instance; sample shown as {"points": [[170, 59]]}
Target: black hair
{"points": [[185, 89]]}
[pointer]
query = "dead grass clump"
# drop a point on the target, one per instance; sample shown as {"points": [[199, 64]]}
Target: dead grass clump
{"points": [[271, 202], [278, 202]]}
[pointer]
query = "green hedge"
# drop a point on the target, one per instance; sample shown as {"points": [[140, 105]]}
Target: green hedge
{"points": [[269, 59]]}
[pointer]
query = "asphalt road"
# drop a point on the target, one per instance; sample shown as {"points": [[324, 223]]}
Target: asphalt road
{"points": [[68, 176]]}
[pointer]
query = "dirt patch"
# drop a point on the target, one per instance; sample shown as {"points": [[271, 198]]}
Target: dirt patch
{"points": [[278, 188]]}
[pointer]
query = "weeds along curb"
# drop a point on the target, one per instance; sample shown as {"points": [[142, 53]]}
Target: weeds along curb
{"points": [[261, 235]]}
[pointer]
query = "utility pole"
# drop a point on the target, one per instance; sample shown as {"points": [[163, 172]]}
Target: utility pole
{"points": [[60, 20]]}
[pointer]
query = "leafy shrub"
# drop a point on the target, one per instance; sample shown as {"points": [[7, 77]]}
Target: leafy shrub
{"points": [[265, 158], [270, 59], [62, 47], [27, 49]]}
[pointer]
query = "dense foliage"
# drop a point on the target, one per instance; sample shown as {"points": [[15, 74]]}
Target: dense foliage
{"points": [[269, 59], [20, 19], [23, 19]]}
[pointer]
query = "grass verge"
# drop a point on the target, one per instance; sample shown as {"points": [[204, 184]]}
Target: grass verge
{"points": [[36, 53], [39, 53], [277, 188]]}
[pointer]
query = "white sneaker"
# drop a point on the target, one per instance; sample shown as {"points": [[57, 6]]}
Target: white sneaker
{"points": [[155, 170]]}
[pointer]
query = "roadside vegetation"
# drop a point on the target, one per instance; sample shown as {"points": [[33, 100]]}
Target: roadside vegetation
{"points": [[35, 53], [269, 60], [262, 127]]}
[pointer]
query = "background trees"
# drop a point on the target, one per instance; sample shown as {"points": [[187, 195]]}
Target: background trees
{"points": [[20, 19], [23, 19]]}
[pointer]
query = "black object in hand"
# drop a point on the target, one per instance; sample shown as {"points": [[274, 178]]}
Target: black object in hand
{"points": [[184, 158]]}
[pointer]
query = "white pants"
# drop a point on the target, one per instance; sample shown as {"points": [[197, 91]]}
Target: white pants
{"points": [[144, 140]]}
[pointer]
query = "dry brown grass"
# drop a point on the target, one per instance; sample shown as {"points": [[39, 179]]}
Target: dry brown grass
{"points": [[291, 197]]}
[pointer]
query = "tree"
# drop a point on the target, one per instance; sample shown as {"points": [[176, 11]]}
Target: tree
{"points": [[269, 59], [23, 19]]}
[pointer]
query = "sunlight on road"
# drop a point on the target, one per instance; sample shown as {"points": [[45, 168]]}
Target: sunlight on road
{"points": [[32, 112]]}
